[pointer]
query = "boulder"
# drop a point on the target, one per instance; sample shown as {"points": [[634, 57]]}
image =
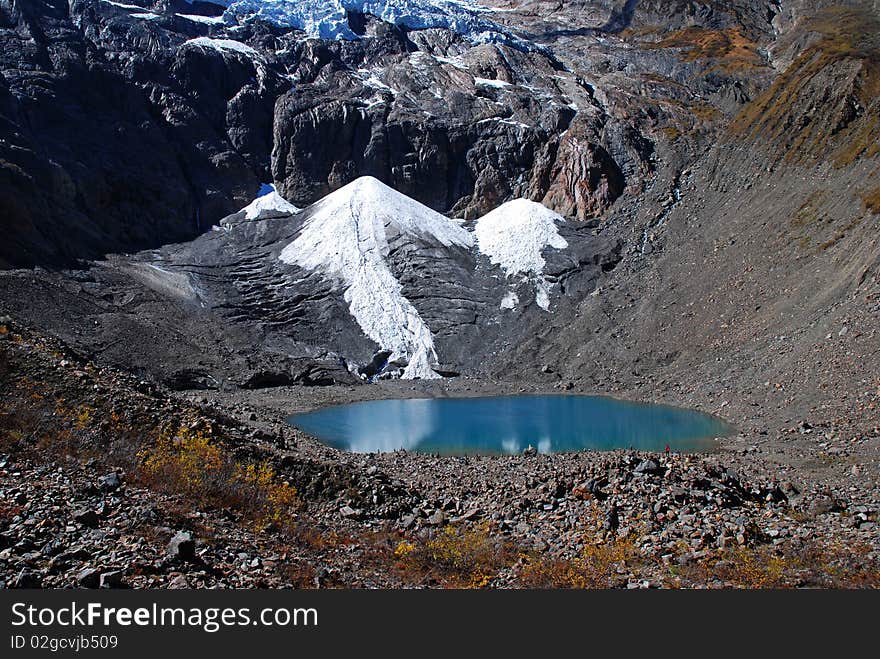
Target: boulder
{"points": [[651, 467], [182, 546], [86, 517], [110, 482], [112, 579], [88, 578]]}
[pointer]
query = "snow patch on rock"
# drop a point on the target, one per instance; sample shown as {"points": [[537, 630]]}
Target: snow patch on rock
{"points": [[346, 239], [207, 20], [489, 82], [371, 78], [514, 237], [122, 5], [221, 45]]}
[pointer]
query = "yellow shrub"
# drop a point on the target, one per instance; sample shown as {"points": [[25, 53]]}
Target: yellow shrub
{"points": [[461, 549], [84, 417], [277, 498], [186, 459], [595, 567], [462, 556], [403, 548], [189, 461]]}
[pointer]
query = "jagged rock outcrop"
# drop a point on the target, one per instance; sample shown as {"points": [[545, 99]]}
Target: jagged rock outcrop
{"points": [[461, 133], [584, 180]]}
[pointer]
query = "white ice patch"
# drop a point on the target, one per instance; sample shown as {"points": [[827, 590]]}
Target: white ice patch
{"points": [[222, 45], [507, 122], [516, 124], [207, 20], [515, 235], [371, 79], [346, 239], [510, 301], [488, 82], [268, 199], [123, 5], [148, 16], [542, 294], [457, 62]]}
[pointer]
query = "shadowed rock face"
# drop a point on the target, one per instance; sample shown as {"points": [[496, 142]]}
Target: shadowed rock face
{"points": [[457, 141], [117, 138]]}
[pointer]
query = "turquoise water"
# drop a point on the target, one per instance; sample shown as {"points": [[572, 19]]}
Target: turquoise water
{"points": [[509, 424]]}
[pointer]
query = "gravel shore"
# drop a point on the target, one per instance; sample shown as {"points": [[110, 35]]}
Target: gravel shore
{"points": [[808, 492]]}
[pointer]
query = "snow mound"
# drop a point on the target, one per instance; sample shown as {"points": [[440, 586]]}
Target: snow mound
{"points": [[268, 201], [346, 239], [514, 237]]}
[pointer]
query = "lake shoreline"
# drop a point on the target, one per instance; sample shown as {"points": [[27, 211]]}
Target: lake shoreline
{"points": [[769, 493], [805, 497]]}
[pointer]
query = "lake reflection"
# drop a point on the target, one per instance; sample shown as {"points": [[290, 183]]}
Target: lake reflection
{"points": [[509, 424]]}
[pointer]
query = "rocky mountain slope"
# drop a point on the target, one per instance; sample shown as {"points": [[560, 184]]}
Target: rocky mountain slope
{"points": [[132, 125], [83, 508], [653, 129], [777, 219]]}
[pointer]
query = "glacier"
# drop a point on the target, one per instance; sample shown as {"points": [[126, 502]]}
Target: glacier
{"points": [[328, 19]]}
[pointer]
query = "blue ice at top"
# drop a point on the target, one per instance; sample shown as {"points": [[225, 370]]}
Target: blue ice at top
{"points": [[327, 19], [265, 188]]}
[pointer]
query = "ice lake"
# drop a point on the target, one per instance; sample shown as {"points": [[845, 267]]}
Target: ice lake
{"points": [[509, 424]]}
